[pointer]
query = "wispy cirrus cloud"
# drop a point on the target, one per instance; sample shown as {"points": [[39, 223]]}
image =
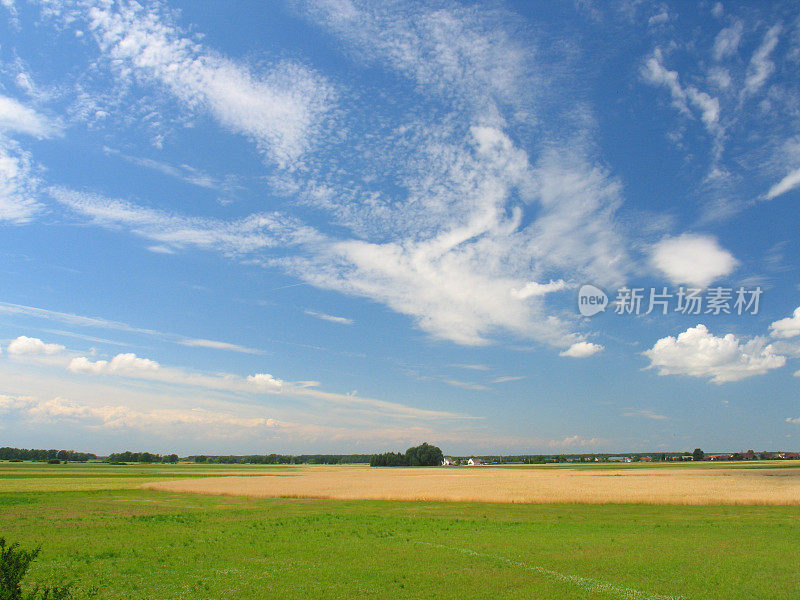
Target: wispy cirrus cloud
{"points": [[280, 108], [128, 367], [183, 173], [645, 413], [15, 117], [329, 318], [258, 231], [216, 345], [761, 67]]}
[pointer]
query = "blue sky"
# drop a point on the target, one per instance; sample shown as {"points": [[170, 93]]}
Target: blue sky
{"points": [[349, 227]]}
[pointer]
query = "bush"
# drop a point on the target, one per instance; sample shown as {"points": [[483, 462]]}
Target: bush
{"points": [[14, 564], [53, 461]]}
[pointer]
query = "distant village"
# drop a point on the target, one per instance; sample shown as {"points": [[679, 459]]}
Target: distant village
{"points": [[698, 455]]}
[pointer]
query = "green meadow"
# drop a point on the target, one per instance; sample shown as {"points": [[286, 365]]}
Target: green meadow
{"points": [[113, 540]]}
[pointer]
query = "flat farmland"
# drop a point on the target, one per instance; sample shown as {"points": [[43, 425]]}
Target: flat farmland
{"points": [[760, 484], [99, 528]]}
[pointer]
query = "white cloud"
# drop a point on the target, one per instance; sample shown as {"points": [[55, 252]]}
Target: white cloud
{"points": [[184, 173], [793, 420], [252, 233], [658, 19], [727, 41], [71, 319], [645, 414], [507, 378], [698, 353], [166, 421], [581, 350], [29, 345], [202, 343], [18, 118], [280, 109], [692, 259], [466, 385], [656, 73], [538, 289], [788, 183], [461, 53], [12, 404], [455, 274], [788, 327], [129, 366], [127, 363], [761, 67], [330, 318], [18, 183], [265, 380]]}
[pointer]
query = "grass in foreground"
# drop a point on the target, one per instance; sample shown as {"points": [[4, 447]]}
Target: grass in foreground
{"points": [[130, 543]]}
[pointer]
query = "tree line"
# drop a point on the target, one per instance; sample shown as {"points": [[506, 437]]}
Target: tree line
{"points": [[423, 455], [284, 459], [141, 457], [7, 453]]}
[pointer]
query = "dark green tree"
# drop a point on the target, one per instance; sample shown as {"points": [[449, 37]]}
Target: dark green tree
{"points": [[698, 454], [14, 564]]}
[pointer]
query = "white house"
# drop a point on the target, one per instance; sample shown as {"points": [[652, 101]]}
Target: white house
{"points": [[447, 462], [474, 462]]}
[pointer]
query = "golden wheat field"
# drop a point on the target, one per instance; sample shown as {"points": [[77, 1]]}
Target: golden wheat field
{"points": [[736, 486]]}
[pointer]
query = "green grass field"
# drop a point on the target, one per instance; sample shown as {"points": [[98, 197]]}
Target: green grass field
{"points": [[113, 540]]}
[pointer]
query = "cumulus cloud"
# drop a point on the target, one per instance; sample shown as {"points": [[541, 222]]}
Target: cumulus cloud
{"points": [[265, 380], [788, 327], [698, 353], [28, 345], [121, 363], [692, 259], [581, 350], [793, 420]]}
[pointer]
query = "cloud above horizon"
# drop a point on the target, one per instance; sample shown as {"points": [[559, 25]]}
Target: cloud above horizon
{"points": [[697, 352]]}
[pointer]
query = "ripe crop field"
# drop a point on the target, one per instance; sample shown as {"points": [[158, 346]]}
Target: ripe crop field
{"points": [[659, 485], [100, 529]]}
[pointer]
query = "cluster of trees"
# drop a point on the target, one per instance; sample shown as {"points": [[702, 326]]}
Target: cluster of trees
{"points": [[141, 457], [44, 455], [285, 459], [423, 455]]}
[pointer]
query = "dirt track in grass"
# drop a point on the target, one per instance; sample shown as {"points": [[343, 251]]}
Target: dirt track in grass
{"points": [[700, 486]]}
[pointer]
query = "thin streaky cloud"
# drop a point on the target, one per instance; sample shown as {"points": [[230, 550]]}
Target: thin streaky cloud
{"points": [[215, 345], [508, 378], [329, 318]]}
